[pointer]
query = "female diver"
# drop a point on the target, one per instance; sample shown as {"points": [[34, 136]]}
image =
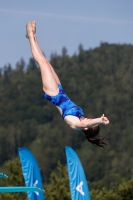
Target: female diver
{"points": [[53, 91]]}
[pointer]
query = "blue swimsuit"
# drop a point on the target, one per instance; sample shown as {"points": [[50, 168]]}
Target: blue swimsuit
{"points": [[67, 106]]}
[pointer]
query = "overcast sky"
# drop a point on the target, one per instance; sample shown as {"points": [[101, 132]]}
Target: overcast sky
{"points": [[62, 23]]}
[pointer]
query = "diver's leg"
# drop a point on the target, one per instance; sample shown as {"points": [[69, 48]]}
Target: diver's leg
{"points": [[50, 86], [33, 24], [53, 71]]}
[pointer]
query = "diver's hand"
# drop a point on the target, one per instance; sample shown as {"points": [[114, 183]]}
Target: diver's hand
{"points": [[105, 120]]}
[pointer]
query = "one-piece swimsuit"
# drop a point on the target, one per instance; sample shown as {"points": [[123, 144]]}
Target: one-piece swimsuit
{"points": [[67, 106]]}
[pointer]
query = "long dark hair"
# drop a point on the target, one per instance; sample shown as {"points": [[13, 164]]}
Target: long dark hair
{"points": [[92, 136]]}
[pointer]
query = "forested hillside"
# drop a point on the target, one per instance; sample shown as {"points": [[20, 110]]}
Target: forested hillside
{"points": [[98, 80]]}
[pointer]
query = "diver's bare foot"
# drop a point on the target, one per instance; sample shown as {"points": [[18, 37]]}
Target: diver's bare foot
{"points": [[29, 31], [33, 24]]}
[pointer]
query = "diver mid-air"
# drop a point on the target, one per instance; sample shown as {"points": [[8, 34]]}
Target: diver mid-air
{"points": [[72, 114]]}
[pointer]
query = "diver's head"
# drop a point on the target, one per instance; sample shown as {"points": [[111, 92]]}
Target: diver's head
{"points": [[92, 136]]}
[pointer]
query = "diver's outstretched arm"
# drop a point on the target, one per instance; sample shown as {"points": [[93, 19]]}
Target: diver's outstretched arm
{"points": [[88, 123]]}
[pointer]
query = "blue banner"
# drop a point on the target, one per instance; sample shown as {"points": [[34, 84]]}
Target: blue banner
{"points": [[78, 184], [31, 173]]}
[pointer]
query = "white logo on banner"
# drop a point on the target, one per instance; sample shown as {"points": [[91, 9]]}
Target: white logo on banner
{"points": [[79, 188], [36, 182]]}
